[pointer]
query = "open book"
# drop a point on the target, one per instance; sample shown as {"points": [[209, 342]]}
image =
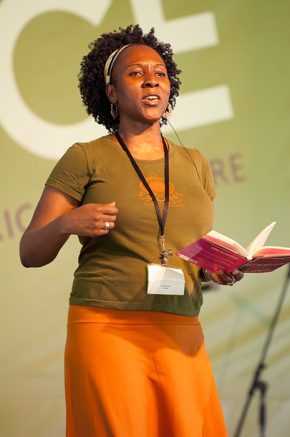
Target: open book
{"points": [[216, 251]]}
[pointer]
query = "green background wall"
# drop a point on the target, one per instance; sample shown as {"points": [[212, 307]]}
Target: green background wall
{"points": [[234, 106]]}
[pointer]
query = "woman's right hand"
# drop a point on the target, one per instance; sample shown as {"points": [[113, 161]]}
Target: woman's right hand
{"points": [[89, 220]]}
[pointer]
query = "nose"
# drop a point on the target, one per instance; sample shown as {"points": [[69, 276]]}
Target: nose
{"points": [[150, 81], [150, 84]]}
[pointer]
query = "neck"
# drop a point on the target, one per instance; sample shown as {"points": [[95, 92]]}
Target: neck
{"points": [[143, 143]]}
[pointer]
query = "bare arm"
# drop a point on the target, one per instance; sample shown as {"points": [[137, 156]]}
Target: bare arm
{"points": [[56, 217]]}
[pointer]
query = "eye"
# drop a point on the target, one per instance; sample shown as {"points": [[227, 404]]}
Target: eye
{"points": [[135, 73], [160, 74]]}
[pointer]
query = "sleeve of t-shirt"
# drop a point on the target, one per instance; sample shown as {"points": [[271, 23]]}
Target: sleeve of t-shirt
{"points": [[207, 177], [205, 173], [71, 174]]}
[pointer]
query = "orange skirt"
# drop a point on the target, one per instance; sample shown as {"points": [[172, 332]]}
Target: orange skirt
{"points": [[138, 374]]}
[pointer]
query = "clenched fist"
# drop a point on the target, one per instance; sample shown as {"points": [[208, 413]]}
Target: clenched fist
{"points": [[90, 220]]}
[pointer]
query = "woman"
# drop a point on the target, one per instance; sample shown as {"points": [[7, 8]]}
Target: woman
{"points": [[135, 363]]}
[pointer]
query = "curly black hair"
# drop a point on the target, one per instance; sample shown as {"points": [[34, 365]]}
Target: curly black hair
{"points": [[91, 77]]}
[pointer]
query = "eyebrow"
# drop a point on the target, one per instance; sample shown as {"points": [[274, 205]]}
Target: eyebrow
{"points": [[141, 65]]}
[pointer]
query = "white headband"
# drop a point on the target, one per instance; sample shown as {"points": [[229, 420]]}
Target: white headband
{"points": [[110, 63]]}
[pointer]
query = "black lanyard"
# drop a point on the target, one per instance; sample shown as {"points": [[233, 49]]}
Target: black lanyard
{"points": [[161, 218]]}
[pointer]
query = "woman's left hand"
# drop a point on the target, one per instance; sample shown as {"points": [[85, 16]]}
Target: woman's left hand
{"points": [[224, 278]]}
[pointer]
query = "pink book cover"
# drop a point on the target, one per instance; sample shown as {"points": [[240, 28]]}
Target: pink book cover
{"points": [[214, 257]]}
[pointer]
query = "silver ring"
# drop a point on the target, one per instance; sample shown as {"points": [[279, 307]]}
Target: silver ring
{"points": [[107, 226]]}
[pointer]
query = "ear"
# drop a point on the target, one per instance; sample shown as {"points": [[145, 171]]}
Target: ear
{"points": [[112, 93]]}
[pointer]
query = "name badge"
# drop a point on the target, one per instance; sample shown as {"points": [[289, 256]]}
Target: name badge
{"points": [[165, 280]]}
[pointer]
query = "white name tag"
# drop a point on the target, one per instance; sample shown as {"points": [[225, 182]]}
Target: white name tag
{"points": [[165, 280]]}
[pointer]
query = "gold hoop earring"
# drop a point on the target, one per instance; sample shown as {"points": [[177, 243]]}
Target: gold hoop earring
{"points": [[114, 111]]}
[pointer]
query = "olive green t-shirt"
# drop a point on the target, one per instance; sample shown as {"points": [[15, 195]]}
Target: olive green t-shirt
{"points": [[112, 269]]}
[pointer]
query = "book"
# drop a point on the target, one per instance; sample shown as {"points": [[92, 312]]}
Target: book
{"points": [[215, 251]]}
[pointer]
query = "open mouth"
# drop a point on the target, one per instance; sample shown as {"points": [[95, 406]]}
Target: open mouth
{"points": [[151, 98]]}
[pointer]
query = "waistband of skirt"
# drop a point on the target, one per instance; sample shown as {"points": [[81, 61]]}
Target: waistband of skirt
{"points": [[92, 314]]}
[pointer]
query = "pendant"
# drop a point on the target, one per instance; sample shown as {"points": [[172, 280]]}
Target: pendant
{"points": [[165, 253]]}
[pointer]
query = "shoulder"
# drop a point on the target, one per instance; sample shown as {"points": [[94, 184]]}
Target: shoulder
{"points": [[194, 157], [90, 152], [190, 153], [94, 145], [80, 158]]}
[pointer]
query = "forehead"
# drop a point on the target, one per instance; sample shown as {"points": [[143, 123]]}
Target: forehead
{"points": [[138, 54]]}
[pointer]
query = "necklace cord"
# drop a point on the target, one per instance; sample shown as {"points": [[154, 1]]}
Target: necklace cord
{"points": [[161, 219]]}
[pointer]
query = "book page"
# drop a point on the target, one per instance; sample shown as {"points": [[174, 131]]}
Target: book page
{"points": [[260, 240], [227, 242], [272, 251]]}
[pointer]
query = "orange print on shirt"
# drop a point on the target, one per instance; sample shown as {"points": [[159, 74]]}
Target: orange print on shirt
{"points": [[157, 185]]}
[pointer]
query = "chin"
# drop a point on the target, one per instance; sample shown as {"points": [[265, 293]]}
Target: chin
{"points": [[152, 118], [151, 121]]}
